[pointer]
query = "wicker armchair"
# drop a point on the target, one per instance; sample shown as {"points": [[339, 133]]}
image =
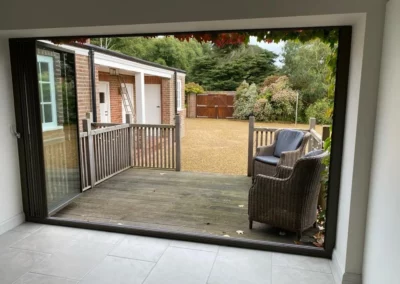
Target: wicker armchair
{"points": [[289, 199], [267, 158]]}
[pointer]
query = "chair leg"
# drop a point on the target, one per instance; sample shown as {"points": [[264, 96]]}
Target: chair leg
{"points": [[299, 235], [250, 224]]}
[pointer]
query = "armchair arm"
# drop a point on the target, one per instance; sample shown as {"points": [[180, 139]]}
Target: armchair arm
{"points": [[289, 158], [283, 172], [265, 150]]}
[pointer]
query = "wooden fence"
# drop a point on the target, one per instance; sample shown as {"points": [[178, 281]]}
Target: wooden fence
{"points": [[263, 136], [108, 149]]}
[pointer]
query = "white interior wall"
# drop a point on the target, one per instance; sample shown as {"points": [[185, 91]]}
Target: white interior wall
{"points": [[364, 69], [10, 191], [382, 246]]}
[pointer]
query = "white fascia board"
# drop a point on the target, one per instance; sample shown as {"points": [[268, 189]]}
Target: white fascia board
{"points": [[119, 63], [77, 50]]}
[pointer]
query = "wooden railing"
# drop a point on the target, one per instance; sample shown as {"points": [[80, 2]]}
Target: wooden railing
{"points": [[263, 136], [154, 146], [108, 149]]}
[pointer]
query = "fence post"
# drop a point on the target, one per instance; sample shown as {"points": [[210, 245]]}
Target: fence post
{"points": [[128, 119], [87, 127], [178, 142], [251, 147], [313, 123]]}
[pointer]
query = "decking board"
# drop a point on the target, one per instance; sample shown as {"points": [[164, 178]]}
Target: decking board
{"points": [[177, 201]]}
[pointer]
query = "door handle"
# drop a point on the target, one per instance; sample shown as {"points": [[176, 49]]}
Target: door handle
{"points": [[158, 106]]}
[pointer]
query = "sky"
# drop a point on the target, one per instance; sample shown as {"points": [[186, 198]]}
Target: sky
{"points": [[274, 47]]}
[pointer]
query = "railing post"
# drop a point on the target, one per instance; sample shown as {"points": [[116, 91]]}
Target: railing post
{"points": [[250, 147], [313, 123], [128, 120], [326, 133], [178, 142], [87, 127]]}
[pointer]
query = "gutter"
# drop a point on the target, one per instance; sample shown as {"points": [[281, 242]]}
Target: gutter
{"points": [[93, 83]]}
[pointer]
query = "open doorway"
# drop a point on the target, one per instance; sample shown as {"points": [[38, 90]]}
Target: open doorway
{"points": [[131, 159]]}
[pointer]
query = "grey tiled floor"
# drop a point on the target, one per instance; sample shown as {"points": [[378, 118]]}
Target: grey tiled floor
{"points": [[42, 254]]}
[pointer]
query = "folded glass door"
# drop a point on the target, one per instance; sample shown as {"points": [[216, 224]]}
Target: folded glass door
{"points": [[58, 115]]}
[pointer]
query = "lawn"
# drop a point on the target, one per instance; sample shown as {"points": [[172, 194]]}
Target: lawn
{"points": [[219, 145]]}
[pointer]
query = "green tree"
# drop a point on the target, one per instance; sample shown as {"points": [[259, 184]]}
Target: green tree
{"points": [[225, 68], [306, 66], [165, 50]]}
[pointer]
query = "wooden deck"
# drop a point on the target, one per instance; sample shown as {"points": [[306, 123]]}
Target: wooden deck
{"points": [[208, 203]]}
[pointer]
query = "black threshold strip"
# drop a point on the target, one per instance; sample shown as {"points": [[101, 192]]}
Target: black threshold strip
{"points": [[199, 238]]}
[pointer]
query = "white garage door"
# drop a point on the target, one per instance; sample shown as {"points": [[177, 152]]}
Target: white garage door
{"points": [[152, 94]]}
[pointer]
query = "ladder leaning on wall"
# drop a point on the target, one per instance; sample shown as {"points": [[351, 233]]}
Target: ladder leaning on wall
{"points": [[126, 98]]}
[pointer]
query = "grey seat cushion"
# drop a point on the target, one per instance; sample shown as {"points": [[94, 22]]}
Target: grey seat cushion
{"points": [[271, 160], [288, 140]]}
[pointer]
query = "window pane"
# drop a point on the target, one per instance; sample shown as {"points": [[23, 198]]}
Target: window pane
{"points": [[44, 71], [46, 93], [48, 116]]}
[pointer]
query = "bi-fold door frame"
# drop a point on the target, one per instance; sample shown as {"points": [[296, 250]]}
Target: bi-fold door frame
{"points": [[23, 59]]}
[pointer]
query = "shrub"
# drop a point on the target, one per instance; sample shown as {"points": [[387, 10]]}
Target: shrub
{"points": [[193, 88], [282, 99], [263, 110], [321, 110], [246, 97]]}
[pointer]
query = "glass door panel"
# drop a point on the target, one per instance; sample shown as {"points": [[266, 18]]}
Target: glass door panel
{"points": [[58, 113]]}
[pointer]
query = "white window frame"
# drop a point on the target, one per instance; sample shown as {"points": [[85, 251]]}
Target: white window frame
{"points": [[46, 126], [179, 94]]}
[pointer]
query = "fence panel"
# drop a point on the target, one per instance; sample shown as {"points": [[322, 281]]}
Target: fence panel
{"points": [[154, 146], [111, 151]]}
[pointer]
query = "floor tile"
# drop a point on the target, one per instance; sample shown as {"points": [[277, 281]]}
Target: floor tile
{"points": [[119, 270], [98, 237], [32, 278], [178, 265], [74, 261], [285, 275], [28, 227], [59, 231], [44, 242], [196, 246], [301, 262], [141, 248], [14, 263], [9, 238], [242, 266]]}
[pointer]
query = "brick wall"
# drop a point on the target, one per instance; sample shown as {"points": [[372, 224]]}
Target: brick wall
{"points": [[168, 102], [191, 105], [84, 88]]}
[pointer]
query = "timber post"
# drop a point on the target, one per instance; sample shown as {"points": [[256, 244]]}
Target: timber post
{"points": [[250, 147], [128, 119], [178, 142], [87, 127]]}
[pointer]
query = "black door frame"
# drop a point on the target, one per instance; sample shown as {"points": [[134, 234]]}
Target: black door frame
{"points": [[33, 187]]}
